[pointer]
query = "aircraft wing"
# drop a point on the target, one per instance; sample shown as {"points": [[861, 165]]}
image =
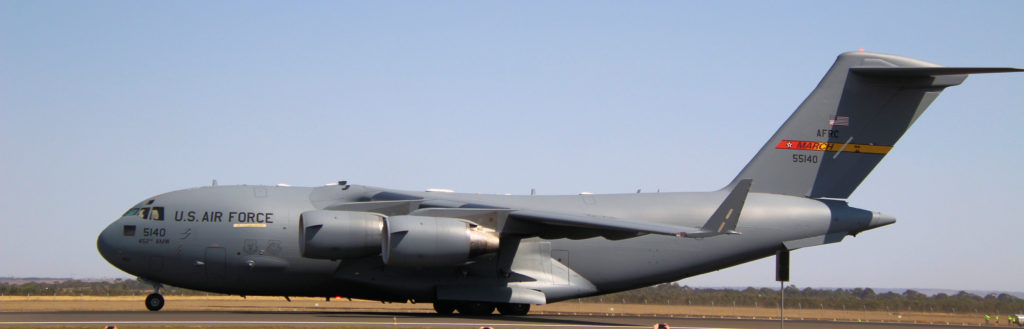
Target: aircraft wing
{"points": [[574, 226], [548, 224], [551, 224], [555, 225]]}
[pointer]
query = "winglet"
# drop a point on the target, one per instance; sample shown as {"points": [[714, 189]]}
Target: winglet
{"points": [[725, 218]]}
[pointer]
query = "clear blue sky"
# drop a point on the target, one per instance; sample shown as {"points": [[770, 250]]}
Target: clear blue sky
{"points": [[103, 104]]}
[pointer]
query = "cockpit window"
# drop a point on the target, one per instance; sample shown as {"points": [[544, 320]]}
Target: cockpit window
{"points": [[151, 213], [157, 213]]}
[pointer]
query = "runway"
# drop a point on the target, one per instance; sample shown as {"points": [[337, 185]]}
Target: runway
{"points": [[371, 319]]}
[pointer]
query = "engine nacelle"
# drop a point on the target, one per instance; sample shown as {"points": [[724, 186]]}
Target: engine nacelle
{"points": [[328, 234], [434, 241]]}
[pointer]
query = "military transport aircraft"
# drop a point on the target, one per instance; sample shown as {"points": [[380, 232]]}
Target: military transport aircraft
{"points": [[475, 253]]}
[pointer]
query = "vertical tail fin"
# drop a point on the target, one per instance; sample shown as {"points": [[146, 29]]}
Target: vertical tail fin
{"points": [[848, 123]]}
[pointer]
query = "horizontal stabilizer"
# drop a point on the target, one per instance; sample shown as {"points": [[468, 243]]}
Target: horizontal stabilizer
{"points": [[928, 71]]}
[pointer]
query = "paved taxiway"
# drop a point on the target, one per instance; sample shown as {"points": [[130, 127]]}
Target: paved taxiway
{"points": [[328, 319]]}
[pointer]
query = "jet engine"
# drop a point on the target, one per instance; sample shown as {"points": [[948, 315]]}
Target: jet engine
{"points": [[326, 234], [400, 240], [434, 241]]}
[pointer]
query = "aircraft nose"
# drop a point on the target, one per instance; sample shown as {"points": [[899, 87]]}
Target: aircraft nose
{"points": [[105, 243]]}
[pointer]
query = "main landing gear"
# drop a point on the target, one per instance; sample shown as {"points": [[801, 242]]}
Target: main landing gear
{"points": [[480, 308], [513, 309]]}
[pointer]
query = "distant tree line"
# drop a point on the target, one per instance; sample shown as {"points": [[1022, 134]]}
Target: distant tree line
{"points": [[808, 298], [670, 294]]}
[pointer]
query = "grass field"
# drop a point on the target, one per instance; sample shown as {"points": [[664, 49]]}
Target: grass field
{"points": [[279, 304]]}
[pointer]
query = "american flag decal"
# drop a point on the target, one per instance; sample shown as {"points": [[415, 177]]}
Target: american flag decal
{"points": [[839, 120]]}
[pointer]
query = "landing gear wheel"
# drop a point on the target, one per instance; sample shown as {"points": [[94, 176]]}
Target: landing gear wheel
{"points": [[444, 308], [513, 309], [475, 308], [154, 302]]}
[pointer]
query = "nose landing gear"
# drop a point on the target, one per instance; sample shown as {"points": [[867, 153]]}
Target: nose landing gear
{"points": [[154, 301]]}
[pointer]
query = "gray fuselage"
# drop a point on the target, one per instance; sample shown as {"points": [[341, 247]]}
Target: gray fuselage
{"points": [[245, 240]]}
